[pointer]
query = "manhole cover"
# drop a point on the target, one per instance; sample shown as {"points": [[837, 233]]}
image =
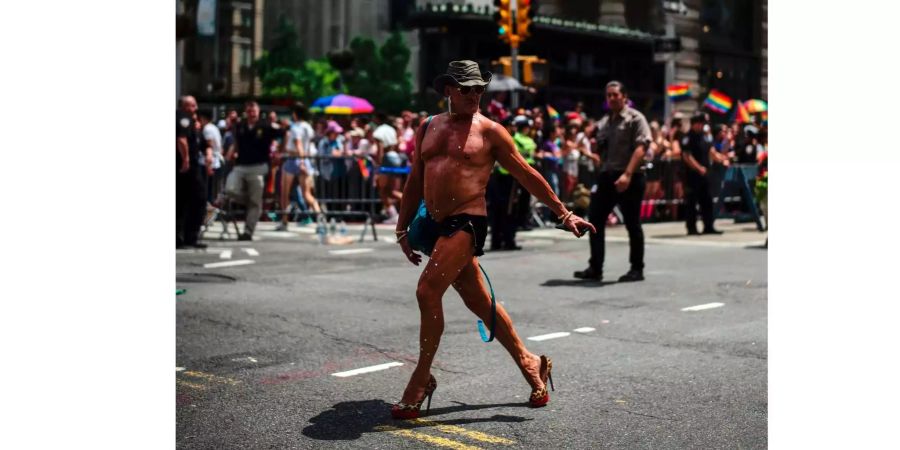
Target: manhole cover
{"points": [[203, 278]]}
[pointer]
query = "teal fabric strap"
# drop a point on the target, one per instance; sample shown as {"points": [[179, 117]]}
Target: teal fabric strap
{"points": [[481, 331]]}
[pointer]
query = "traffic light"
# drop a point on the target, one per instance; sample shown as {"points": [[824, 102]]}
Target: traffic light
{"points": [[525, 11], [504, 20]]}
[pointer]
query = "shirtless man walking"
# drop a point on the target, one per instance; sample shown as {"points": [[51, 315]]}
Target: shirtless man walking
{"points": [[451, 172]]}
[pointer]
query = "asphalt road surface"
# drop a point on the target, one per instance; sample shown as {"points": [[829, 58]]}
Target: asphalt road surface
{"points": [[264, 326]]}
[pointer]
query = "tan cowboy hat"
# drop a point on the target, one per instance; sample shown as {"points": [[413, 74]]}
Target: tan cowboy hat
{"points": [[463, 73]]}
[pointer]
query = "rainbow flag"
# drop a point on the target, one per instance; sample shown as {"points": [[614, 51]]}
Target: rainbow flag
{"points": [[363, 168], [554, 114], [680, 91], [741, 115], [756, 106], [718, 102]]}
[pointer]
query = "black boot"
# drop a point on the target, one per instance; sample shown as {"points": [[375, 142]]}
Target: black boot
{"points": [[632, 275], [589, 274]]}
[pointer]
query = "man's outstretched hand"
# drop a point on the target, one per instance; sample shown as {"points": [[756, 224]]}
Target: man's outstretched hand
{"points": [[577, 226], [412, 256]]}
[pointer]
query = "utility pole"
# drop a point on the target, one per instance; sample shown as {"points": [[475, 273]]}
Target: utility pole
{"points": [[514, 54], [514, 20]]}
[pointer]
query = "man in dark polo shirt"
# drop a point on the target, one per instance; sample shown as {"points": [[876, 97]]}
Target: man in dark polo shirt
{"points": [[698, 154], [246, 182], [622, 138], [190, 179]]}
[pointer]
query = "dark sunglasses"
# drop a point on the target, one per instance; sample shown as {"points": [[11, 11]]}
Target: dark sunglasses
{"points": [[465, 90]]}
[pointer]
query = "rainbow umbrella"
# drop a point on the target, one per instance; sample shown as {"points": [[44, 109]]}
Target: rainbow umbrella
{"points": [[756, 106], [342, 104]]}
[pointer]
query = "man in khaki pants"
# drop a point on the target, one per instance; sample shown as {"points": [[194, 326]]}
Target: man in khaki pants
{"points": [[245, 183]]}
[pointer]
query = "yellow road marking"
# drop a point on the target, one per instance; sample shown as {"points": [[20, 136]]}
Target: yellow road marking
{"points": [[439, 441], [190, 385], [453, 429], [210, 377]]}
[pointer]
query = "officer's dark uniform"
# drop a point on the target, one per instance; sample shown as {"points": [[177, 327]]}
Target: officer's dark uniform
{"points": [[190, 187], [618, 136], [696, 189], [246, 182]]}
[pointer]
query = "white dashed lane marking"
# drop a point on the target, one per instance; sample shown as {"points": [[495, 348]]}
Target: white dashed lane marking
{"points": [[225, 254], [545, 337], [702, 307], [247, 358], [350, 373], [237, 262], [251, 252], [584, 330], [350, 251]]}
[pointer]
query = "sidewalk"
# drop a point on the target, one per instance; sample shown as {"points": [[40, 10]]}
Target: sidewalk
{"points": [[673, 233], [667, 233]]}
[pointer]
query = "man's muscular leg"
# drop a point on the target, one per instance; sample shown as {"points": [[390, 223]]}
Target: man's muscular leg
{"points": [[450, 255], [471, 287]]}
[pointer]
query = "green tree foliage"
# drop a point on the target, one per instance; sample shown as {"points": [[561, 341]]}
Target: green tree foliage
{"points": [[284, 70], [319, 78], [379, 75], [285, 51]]}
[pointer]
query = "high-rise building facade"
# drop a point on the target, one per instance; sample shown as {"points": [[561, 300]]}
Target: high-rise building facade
{"points": [[217, 47], [585, 43], [588, 42]]}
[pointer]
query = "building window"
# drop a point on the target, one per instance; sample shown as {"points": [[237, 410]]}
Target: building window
{"points": [[247, 18], [729, 24], [246, 56]]}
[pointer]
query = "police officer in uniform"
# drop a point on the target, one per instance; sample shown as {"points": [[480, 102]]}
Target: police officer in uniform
{"points": [[190, 181], [698, 153], [623, 137], [252, 148]]}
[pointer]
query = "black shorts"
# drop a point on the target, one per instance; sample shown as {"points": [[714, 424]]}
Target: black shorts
{"points": [[474, 225], [654, 171]]}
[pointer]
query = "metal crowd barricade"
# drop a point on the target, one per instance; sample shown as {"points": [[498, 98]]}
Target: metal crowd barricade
{"points": [[731, 186], [728, 185], [344, 187]]}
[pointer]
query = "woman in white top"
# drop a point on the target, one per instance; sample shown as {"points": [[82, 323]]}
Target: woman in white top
{"points": [[297, 153]]}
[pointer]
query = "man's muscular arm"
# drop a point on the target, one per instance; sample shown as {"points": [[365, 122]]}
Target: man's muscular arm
{"points": [[415, 185], [505, 152], [412, 196]]}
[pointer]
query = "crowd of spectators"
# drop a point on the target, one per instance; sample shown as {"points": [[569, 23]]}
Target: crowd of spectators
{"points": [[276, 162]]}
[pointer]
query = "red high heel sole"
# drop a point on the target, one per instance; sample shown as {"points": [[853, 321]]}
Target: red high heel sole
{"points": [[541, 397], [412, 411]]}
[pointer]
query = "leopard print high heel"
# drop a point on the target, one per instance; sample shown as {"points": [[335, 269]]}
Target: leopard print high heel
{"points": [[540, 397], [402, 410]]}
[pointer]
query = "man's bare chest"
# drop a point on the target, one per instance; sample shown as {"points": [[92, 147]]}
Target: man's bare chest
{"points": [[458, 145]]}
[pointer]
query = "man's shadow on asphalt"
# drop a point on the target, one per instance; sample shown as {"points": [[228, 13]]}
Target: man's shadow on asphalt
{"points": [[349, 420], [582, 283]]}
